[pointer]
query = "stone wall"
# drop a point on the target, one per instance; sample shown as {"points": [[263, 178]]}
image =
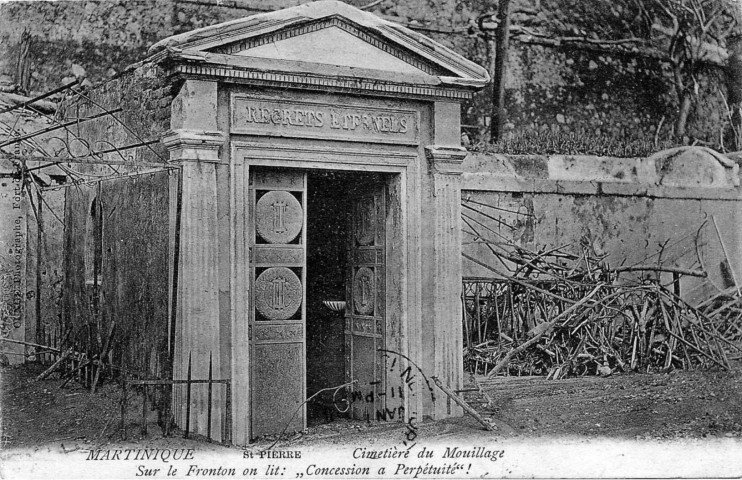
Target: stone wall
{"points": [[144, 96], [656, 211], [88, 39], [121, 217], [566, 89], [132, 273], [619, 96]]}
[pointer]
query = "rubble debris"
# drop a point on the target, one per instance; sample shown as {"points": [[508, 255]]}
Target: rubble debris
{"points": [[559, 314]]}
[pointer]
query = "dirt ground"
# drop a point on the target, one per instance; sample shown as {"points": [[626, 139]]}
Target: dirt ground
{"points": [[676, 405]]}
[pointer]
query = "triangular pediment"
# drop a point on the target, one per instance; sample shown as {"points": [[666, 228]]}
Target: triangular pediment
{"points": [[333, 45], [337, 37]]}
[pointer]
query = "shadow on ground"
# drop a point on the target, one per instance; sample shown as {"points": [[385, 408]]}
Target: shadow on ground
{"points": [[679, 404]]}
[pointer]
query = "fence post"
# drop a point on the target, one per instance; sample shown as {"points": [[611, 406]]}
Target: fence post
{"points": [[188, 398], [208, 414]]}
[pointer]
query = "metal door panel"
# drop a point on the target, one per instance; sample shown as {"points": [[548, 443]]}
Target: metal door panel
{"points": [[277, 299], [277, 391], [365, 300]]}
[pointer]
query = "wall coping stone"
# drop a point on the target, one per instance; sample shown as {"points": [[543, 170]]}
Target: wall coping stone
{"points": [[684, 172]]}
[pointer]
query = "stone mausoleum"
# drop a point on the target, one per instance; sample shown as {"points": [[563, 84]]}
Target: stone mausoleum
{"points": [[312, 222]]}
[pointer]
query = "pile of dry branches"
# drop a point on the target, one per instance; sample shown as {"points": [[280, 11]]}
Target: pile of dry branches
{"points": [[575, 317]]}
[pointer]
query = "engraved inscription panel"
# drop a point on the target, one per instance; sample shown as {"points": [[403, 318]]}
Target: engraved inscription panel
{"points": [[363, 325], [278, 293], [279, 217], [282, 333], [271, 179], [364, 291], [307, 119], [279, 255], [368, 256]]}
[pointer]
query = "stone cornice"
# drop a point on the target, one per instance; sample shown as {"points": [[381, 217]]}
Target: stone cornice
{"points": [[446, 160], [193, 146], [330, 80]]}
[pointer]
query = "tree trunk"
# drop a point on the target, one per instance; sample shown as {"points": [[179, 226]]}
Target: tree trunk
{"points": [[734, 89], [686, 102], [501, 62], [22, 72]]}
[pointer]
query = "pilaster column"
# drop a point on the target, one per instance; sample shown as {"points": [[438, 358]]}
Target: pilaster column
{"points": [[445, 168], [197, 311]]}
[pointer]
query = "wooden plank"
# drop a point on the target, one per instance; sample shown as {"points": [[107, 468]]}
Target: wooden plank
{"points": [[467, 408], [54, 366], [178, 382]]}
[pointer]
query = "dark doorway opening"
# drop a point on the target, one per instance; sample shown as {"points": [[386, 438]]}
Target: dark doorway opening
{"points": [[329, 210]]}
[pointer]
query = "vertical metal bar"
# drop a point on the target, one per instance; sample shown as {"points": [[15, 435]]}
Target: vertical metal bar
{"points": [[228, 421], [478, 313], [497, 313], [144, 409], [467, 333], [188, 398], [176, 260], [166, 426], [530, 317], [208, 415], [123, 405], [676, 283], [41, 332], [488, 311], [513, 331]]}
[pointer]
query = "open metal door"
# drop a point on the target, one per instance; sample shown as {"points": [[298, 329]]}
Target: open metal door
{"points": [[277, 298], [366, 300]]}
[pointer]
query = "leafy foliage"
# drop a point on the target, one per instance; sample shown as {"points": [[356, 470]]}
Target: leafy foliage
{"points": [[559, 143], [597, 19]]}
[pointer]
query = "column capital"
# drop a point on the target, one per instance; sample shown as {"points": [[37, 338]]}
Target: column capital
{"points": [[193, 145], [446, 160]]}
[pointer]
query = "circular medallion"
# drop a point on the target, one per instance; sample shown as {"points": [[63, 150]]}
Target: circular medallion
{"points": [[278, 217], [277, 293], [364, 291]]}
